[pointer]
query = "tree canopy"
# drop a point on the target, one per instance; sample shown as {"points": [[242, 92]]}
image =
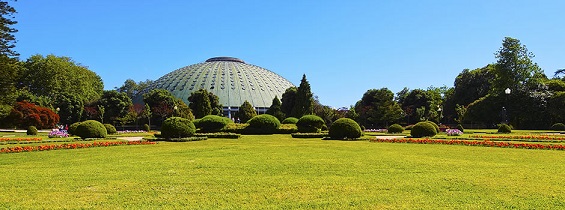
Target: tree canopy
{"points": [[303, 104], [7, 31]]}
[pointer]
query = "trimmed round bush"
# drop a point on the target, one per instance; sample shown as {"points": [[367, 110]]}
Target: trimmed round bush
{"points": [[73, 128], [345, 128], [310, 124], [91, 129], [423, 129], [177, 127], [265, 123], [110, 129], [558, 127], [213, 123], [146, 127], [395, 128], [408, 127], [435, 126], [31, 130], [504, 128], [460, 127], [196, 123], [290, 120]]}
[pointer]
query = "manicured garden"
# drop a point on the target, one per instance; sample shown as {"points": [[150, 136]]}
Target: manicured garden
{"points": [[278, 171]]}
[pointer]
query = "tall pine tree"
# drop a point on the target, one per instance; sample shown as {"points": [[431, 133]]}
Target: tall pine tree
{"points": [[7, 38], [200, 103], [287, 100], [246, 112], [304, 102], [275, 109]]}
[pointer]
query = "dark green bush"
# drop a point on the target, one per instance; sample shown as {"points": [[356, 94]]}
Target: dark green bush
{"points": [[558, 127], [177, 127], [290, 120], [73, 128], [345, 128], [91, 129], [309, 135], [408, 127], [196, 123], [110, 129], [266, 123], [287, 129], [31, 131], [213, 123], [218, 135], [423, 129], [504, 128], [146, 127], [310, 124], [435, 126], [460, 127], [395, 128]]}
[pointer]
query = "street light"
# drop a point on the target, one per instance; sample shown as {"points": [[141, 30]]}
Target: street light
{"points": [[176, 108], [58, 109], [506, 112], [507, 91]]}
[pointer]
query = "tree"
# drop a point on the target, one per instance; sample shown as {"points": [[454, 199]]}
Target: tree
{"points": [[200, 103], [514, 67], [304, 102], [288, 99], [275, 109], [246, 112], [70, 108], [11, 70], [147, 114], [131, 88], [327, 113], [116, 105], [378, 108], [26, 114], [52, 76], [7, 38], [429, 100], [101, 112]]}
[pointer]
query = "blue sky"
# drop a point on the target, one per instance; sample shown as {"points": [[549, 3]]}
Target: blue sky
{"points": [[343, 47]]}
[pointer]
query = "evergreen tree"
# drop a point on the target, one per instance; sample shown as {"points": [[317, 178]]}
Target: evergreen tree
{"points": [[200, 103], [275, 109], [246, 112], [288, 99], [304, 102], [7, 38]]}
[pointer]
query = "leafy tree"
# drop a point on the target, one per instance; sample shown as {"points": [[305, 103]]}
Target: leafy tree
{"points": [[70, 108], [147, 114], [418, 98], [52, 76], [327, 113], [101, 112], [471, 85], [7, 38], [26, 114], [246, 112], [200, 103], [116, 105], [288, 100], [11, 69], [304, 102], [378, 108], [275, 109], [131, 88]]}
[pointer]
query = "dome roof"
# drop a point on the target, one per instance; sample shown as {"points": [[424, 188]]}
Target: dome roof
{"points": [[231, 79]]}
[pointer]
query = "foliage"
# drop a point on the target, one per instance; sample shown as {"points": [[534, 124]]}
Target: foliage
{"points": [[558, 127], [246, 112], [91, 129], [435, 126], [51, 76], [290, 120], [11, 71], [421, 105], [327, 113], [395, 128], [132, 89], [460, 127], [470, 85], [161, 104], [310, 124], [71, 108], [275, 109], [309, 135], [116, 105], [504, 128], [304, 102], [345, 128], [146, 127], [219, 135], [212, 123], [287, 129], [288, 100], [73, 127], [200, 103], [31, 130], [25, 114], [423, 129], [264, 123], [377, 108], [7, 38], [110, 129], [177, 127]]}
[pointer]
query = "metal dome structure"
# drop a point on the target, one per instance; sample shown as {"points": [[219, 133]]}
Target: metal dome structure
{"points": [[231, 79]]}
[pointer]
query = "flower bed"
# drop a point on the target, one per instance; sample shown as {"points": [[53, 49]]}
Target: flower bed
{"points": [[58, 134], [130, 131], [453, 132], [485, 143], [19, 139], [527, 137], [71, 146]]}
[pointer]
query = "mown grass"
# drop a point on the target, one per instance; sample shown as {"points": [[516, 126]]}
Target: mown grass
{"points": [[266, 172]]}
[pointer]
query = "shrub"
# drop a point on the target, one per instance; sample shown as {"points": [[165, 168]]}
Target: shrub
{"points": [[309, 135], [213, 123], [290, 120], [423, 129], [504, 128], [408, 127], [73, 128], [345, 128], [31, 130], [110, 129], [177, 127], [460, 127], [91, 129], [435, 126], [265, 123], [395, 128], [310, 124], [287, 129], [146, 127], [558, 127], [196, 123]]}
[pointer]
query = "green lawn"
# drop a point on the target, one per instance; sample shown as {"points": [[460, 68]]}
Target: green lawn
{"points": [[279, 172]]}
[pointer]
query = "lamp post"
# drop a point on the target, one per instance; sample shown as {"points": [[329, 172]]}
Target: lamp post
{"points": [[507, 115], [176, 108], [57, 110]]}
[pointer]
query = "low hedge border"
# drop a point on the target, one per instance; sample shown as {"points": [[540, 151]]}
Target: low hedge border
{"points": [[219, 135], [309, 135], [194, 138]]}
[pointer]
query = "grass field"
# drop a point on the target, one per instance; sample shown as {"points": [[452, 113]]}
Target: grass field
{"points": [[278, 172]]}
